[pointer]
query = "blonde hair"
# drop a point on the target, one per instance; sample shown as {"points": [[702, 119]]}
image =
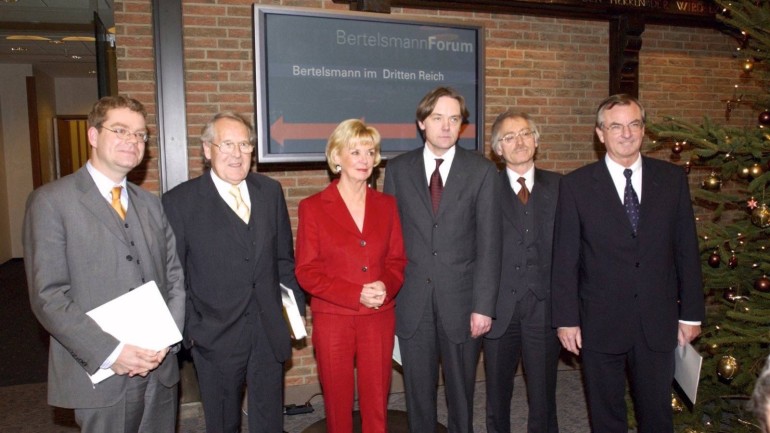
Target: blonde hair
{"points": [[348, 134]]}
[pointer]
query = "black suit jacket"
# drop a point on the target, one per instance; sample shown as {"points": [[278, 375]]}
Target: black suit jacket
{"points": [[607, 280], [456, 253], [232, 271], [516, 245]]}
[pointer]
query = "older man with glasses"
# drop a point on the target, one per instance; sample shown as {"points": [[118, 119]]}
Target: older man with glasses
{"points": [[522, 328], [626, 276], [235, 244]]}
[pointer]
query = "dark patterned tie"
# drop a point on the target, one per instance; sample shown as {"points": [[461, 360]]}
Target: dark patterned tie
{"points": [[436, 186], [631, 200], [523, 192]]}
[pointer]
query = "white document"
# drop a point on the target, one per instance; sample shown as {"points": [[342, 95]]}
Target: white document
{"points": [[397, 352], [291, 313], [687, 364], [140, 318]]}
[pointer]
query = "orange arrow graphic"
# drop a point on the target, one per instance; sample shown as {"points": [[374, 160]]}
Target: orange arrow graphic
{"points": [[281, 131]]}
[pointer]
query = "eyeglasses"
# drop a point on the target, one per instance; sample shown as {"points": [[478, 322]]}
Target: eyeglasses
{"points": [[617, 128], [525, 134], [228, 146], [125, 134]]}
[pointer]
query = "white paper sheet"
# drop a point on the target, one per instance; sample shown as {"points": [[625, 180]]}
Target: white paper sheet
{"points": [[140, 318], [291, 314], [687, 364]]}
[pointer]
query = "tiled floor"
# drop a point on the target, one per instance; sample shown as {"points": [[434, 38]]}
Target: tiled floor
{"points": [[23, 410]]}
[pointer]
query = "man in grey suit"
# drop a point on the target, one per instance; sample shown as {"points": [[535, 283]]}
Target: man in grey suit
{"points": [[89, 238], [234, 240], [448, 202], [522, 328]]}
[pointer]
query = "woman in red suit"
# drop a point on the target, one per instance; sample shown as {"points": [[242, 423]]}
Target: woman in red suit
{"points": [[350, 259]]}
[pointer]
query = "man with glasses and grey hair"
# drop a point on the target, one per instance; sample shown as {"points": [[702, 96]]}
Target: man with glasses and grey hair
{"points": [[235, 244], [522, 328], [626, 277]]}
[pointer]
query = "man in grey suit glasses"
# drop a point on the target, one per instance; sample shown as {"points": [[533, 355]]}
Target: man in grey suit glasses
{"points": [[89, 238], [448, 202], [522, 329]]}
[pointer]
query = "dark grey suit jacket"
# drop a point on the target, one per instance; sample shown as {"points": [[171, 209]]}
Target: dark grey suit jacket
{"points": [[455, 253], [608, 280], [77, 257], [232, 271], [516, 245]]}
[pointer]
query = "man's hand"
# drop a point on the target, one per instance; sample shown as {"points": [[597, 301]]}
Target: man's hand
{"points": [[135, 361], [480, 324], [687, 333], [571, 338]]}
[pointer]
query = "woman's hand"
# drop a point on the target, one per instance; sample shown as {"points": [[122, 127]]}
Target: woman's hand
{"points": [[373, 294]]}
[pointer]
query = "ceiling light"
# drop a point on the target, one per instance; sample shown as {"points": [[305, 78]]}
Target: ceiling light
{"points": [[18, 49], [74, 57], [26, 38], [10, 1], [92, 72], [55, 42], [78, 39]]}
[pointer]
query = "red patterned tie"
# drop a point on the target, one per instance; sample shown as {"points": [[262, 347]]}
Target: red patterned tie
{"points": [[436, 186], [523, 192]]}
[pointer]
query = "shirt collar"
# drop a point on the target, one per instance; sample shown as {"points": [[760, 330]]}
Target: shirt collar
{"points": [[104, 184]]}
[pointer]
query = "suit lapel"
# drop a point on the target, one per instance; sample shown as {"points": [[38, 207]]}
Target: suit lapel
{"points": [[542, 198], [258, 219], [97, 205], [507, 201], [222, 211], [334, 206], [650, 189], [143, 213], [455, 181], [606, 196], [417, 179]]}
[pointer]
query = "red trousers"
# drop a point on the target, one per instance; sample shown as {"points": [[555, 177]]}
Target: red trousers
{"points": [[362, 342]]}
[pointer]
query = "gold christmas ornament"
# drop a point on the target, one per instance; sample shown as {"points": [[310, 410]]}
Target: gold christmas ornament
{"points": [[712, 183], [743, 173], [760, 216], [712, 348], [676, 404], [756, 170], [727, 367]]}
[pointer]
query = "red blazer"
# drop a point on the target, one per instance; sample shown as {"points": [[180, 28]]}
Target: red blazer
{"points": [[334, 259]]}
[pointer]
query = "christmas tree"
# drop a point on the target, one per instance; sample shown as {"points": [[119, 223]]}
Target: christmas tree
{"points": [[733, 208]]}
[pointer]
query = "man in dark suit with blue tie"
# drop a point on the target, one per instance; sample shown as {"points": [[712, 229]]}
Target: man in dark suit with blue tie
{"points": [[235, 244], [448, 202], [522, 328], [626, 279]]}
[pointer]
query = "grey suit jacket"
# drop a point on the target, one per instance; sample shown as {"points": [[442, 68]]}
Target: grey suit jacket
{"points": [[77, 256], [456, 253], [519, 246]]}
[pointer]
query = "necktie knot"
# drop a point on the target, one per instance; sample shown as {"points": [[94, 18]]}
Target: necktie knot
{"points": [[116, 204], [241, 209], [627, 173], [436, 186], [523, 192]]}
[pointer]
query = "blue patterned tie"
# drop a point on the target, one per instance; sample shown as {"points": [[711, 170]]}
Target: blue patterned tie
{"points": [[631, 200]]}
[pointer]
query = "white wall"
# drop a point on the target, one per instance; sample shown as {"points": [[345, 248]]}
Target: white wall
{"points": [[16, 161], [75, 95]]}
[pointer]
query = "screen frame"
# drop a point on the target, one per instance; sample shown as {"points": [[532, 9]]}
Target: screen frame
{"points": [[264, 155]]}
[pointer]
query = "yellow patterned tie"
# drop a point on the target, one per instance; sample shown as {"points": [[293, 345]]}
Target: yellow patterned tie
{"points": [[116, 202], [240, 206]]}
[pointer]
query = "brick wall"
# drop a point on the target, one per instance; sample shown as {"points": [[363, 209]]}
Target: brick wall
{"points": [[554, 69]]}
